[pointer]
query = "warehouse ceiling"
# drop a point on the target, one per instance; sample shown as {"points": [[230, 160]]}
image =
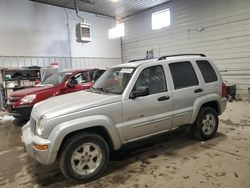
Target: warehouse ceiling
{"points": [[113, 8]]}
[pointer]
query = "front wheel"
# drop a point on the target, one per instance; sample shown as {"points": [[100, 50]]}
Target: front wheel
{"points": [[84, 157], [206, 124]]}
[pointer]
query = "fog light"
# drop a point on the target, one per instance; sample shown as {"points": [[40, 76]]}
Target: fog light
{"points": [[40, 147]]}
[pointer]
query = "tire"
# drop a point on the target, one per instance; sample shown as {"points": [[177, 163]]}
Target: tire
{"points": [[206, 124], [84, 157]]}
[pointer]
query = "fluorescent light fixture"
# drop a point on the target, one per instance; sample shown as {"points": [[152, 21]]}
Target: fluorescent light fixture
{"points": [[161, 19], [117, 31]]}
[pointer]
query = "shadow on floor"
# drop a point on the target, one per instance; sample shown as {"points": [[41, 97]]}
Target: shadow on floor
{"points": [[166, 144]]}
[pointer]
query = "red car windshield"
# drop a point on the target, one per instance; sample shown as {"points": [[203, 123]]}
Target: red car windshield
{"points": [[57, 78]]}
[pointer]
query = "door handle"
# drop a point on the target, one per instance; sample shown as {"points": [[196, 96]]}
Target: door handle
{"points": [[198, 90], [164, 98]]}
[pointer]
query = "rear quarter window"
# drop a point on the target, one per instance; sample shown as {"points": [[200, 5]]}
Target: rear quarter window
{"points": [[207, 71], [183, 74]]}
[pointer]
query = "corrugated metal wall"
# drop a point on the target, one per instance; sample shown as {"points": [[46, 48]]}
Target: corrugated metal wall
{"points": [[65, 62], [225, 37]]}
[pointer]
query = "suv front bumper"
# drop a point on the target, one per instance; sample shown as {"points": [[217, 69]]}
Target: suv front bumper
{"points": [[22, 112], [29, 140]]}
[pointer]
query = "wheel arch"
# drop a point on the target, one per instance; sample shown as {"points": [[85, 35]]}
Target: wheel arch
{"points": [[100, 130], [212, 104], [211, 101], [99, 124]]}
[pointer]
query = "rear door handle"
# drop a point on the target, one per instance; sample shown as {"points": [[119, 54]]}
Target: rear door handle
{"points": [[198, 90], [164, 98]]}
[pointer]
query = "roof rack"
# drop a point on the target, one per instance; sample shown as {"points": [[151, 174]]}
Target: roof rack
{"points": [[134, 60], [176, 55]]}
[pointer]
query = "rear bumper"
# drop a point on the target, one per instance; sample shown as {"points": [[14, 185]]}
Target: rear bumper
{"points": [[223, 104], [22, 112]]}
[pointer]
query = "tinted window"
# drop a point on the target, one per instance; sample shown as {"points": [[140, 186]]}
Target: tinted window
{"points": [[153, 78], [183, 74], [96, 74], [207, 71]]}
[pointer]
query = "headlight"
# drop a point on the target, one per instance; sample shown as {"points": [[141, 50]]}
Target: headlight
{"points": [[28, 99], [40, 125]]}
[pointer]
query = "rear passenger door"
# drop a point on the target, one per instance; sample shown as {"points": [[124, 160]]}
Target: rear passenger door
{"points": [[186, 89]]}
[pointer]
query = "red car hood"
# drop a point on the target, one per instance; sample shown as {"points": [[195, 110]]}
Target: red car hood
{"points": [[29, 91]]}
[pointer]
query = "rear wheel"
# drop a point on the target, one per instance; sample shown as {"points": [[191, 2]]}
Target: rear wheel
{"points": [[206, 124], [84, 157]]}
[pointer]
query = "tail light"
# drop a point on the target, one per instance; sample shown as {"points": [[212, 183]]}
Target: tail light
{"points": [[224, 89]]}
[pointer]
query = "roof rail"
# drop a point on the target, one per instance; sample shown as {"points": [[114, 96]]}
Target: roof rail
{"points": [[176, 55], [134, 60]]}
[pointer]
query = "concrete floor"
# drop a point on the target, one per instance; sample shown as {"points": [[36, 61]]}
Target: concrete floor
{"points": [[172, 160]]}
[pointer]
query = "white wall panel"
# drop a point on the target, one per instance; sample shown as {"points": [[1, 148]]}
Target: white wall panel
{"points": [[225, 38], [33, 29], [64, 62]]}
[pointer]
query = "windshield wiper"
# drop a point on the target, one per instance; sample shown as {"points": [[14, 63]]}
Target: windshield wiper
{"points": [[99, 89], [92, 89], [105, 91]]}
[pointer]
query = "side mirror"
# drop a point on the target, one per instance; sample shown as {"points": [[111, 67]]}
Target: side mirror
{"points": [[72, 83], [139, 92]]}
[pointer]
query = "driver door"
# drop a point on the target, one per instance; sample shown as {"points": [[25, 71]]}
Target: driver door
{"points": [[150, 114]]}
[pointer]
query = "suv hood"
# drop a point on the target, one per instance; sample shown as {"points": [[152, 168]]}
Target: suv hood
{"points": [[29, 91], [69, 103]]}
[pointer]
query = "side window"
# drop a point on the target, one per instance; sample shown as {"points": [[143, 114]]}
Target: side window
{"points": [[153, 78], [80, 78], [183, 75], [207, 71], [96, 74], [85, 77]]}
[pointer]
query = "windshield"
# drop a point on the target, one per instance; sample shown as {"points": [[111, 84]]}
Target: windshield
{"points": [[114, 80], [57, 78]]}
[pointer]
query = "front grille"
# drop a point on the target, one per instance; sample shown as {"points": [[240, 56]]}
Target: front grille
{"points": [[10, 108]]}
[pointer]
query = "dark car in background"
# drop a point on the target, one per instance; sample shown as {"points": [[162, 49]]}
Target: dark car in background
{"points": [[21, 102]]}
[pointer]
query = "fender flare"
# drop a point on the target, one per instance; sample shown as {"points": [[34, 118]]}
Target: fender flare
{"points": [[62, 130], [202, 100]]}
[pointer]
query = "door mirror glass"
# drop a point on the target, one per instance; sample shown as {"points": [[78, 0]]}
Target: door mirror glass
{"points": [[72, 83], [139, 92]]}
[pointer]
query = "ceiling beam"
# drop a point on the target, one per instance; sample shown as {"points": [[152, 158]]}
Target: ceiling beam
{"points": [[108, 16]]}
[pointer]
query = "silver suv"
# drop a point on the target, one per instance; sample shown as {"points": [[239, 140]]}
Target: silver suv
{"points": [[129, 102]]}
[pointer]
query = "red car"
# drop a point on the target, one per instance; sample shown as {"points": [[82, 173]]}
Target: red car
{"points": [[21, 102]]}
